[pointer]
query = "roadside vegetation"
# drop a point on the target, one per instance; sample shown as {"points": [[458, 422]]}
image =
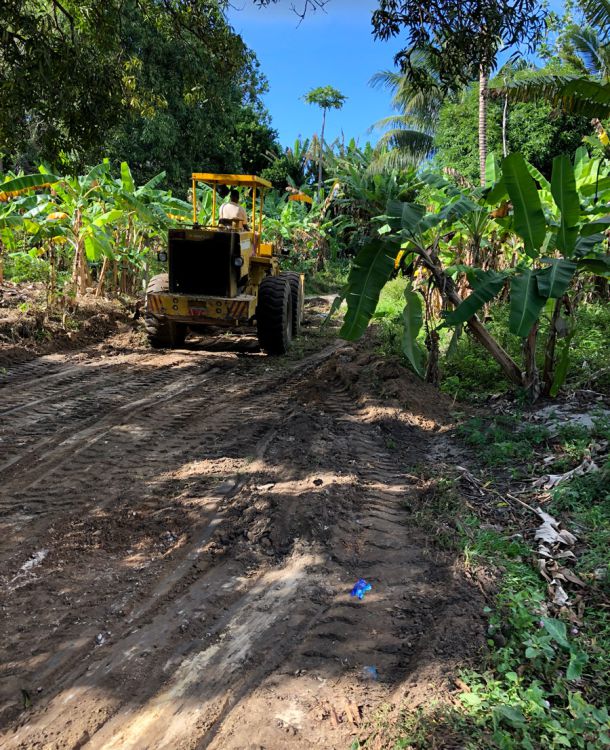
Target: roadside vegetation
{"points": [[538, 542], [475, 237]]}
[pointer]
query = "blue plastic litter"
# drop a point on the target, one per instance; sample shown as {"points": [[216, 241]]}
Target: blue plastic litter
{"points": [[361, 588], [370, 673]]}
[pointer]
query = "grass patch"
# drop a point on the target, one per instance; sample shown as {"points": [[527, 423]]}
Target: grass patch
{"points": [[545, 681], [328, 280], [471, 374], [505, 442]]}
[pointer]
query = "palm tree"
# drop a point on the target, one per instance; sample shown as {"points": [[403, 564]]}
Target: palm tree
{"points": [[326, 97], [417, 98], [587, 91]]}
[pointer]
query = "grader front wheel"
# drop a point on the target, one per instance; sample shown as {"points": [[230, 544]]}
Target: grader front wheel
{"points": [[274, 315]]}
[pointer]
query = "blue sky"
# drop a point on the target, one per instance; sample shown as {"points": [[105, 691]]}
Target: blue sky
{"points": [[333, 47]]}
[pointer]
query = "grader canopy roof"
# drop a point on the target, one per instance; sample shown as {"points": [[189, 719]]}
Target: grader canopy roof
{"points": [[242, 180]]}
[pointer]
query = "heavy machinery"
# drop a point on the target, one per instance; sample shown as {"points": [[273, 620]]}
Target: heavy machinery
{"points": [[224, 275]]}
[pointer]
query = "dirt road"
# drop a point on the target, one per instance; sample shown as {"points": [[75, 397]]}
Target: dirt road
{"points": [[179, 535]]}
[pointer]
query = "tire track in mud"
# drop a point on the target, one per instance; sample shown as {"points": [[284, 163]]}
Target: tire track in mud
{"points": [[230, 636]]}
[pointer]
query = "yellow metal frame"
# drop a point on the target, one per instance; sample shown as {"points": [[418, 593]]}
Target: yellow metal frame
{"points": [[241, 180]]}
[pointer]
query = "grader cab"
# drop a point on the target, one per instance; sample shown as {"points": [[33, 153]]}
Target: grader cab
{"points": [[224, 275]]}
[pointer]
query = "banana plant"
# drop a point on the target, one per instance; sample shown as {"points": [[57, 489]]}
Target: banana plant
{"points": [[559, 232], [562, 225]]}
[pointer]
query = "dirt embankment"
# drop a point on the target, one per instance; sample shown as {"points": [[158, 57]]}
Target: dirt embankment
{"points": [[29, 327], [180, 533]]}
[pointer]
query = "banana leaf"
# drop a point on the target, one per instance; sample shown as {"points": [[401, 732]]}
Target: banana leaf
{"points": [[440, 183], [127, 178], [452, 211], [109, 217], [598, 225], [95, 175], [497, 193], [585, 245], [525, 303], [538, 176], [487, 285], [597, 266], [27, 182], [563, 188], [12, 220], [371, 269], [97, 244], [492, 170], [581, 159], [152, 183], [563, 361], [412, 318], [411, 215], [143, 211], [595, 187], [554, 280], [529, 220]]}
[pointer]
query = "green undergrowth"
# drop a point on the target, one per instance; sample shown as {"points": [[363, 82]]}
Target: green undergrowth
{"points": [[544, 681], [330, 279], [469, 373]]}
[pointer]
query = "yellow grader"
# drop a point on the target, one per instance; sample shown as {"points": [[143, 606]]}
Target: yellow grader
{"points": [[224, 275]]}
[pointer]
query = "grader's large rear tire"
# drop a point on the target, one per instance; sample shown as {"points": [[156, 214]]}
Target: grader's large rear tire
{"points": [[298, 299], [274, 315], [162, 333]]}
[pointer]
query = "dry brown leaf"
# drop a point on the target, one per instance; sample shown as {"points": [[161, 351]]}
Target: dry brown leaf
{"points": [[560, 597], [570, 576]]}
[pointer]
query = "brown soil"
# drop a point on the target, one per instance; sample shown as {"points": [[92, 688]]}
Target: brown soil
{"points": [[28, 329], [180, 532]]}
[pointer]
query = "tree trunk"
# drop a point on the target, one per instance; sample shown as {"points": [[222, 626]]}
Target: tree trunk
{"points": [[446, 287], [549, 352], [321, 156], [100, 283], [505, 128], [483, 96], [532, 378]]}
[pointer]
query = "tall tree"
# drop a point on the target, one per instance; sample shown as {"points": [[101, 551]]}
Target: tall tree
{"points": [[417, 101], [325, 97], [464, 37], [586, 47], [166, 85], [530, 127]]}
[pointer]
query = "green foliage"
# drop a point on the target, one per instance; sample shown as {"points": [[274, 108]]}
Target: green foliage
{"points": [[325, 97], [461, 42], [469, 373], [166, 86], [370, 271], [293, 167], [484, 289], [66, 223], [545, 682], [26, 266], [503, 442], [533, 129], [412, 320]]}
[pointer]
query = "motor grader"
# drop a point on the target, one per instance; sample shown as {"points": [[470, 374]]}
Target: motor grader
{"points": [[223, 274]]}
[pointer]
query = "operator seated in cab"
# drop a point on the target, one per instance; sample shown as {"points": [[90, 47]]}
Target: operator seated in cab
{"points": [[232, 214]]}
